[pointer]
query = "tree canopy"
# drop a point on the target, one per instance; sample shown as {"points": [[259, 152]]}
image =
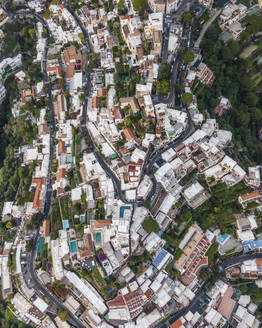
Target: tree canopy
{"points": [[141, 7], [188, 56], [237, 77], [187, 98], [150, 225]]}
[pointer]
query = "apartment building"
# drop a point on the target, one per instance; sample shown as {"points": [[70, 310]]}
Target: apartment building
{"points": [[73, 61], [195, 195], [253, 196], [156, 5], [172, 5], [232, 13], [194, 246]]}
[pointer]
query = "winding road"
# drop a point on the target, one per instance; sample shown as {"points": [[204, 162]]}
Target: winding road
{"points": [[39, 288]]}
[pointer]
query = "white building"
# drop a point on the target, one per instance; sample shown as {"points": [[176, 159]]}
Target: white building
{"points": [[2, 93], [88, 291]]}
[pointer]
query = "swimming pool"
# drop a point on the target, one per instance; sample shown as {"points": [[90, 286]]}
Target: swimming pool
{"points": [[65, 224], [69, 159], [82, 218], [122, 210], [222, 238], [98, 237], [73, 246], [40, 245]]}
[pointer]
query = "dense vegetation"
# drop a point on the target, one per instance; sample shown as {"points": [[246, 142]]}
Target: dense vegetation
{"points": [[253, 291], [150, 225], [163, 84], [15, 132], [237, 77], [7, 319]]}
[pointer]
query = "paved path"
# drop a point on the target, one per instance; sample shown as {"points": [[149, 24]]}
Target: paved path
{"points": [[206, 26], [38, 287]]}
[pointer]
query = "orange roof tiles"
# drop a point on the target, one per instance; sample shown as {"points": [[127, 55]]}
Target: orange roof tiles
{"points": [[88, 251], [126, 17], [61, 147], [250, 195], [71, 57], [128, 134], [61, 173], [148, 293], [101, 92], [116, 302], [259, 262], [38, 203], [177, 324], [95, 102], [55, 69], [102, 223], [46, 228], [116, 112], [227, 304]]}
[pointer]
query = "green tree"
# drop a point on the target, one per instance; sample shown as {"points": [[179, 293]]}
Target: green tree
{"points": [[63, 314], [163, 86], [164, 72], [141, 7], [188, 56], [256, 114], [243, 118], [251, 99], [81, 37], [187, 98], [187, 17], [226, 54], [31, 32], [150, 225], [36, 220], [205, 274], [82, 97]]}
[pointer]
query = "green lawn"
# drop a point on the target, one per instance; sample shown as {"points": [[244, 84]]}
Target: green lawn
{"points": [[248, 51]]}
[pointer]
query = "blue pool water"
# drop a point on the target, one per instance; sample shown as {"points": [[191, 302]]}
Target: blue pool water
{"points": [[122, 210], [65, 224], [40, 245], [69, 159], [98, 237], [73, 246], [82, 218], [160, 233], [222, 238]]}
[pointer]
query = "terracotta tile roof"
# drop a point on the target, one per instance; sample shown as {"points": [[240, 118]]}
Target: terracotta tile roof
{"points": [[55, 69], [102, 223], [177, 324], [128, 134], [95, 102], [61, 173], [227, 304], [116, 112], [126, 17], [116, 302], [38, 203], [88, 251], [259, 262], [71, 57], [148, 293], [61, 147], [250, 195], [101, 92], [46, 228]]}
